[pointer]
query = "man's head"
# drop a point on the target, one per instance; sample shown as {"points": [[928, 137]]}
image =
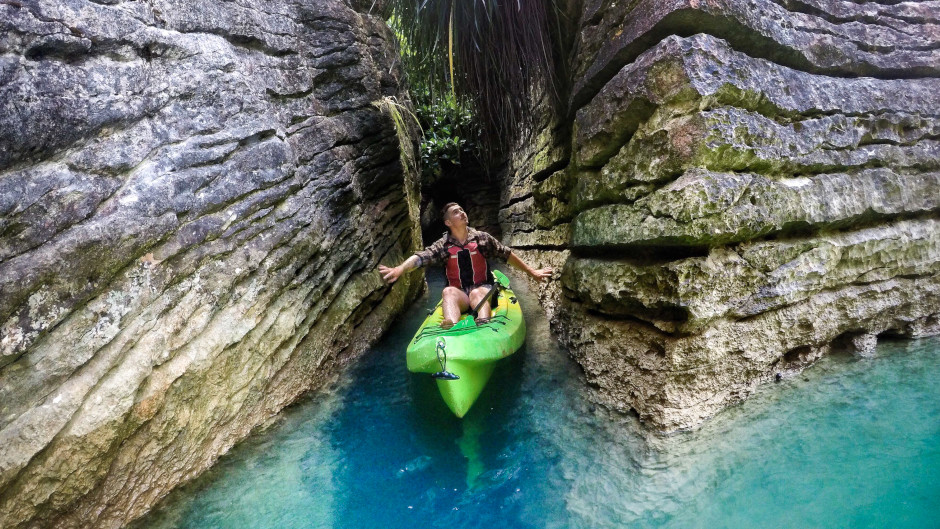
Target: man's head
{"points": [[453, 215]]}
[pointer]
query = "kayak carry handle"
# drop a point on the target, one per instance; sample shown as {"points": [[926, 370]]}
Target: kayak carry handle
{"points": [[443, 374]]}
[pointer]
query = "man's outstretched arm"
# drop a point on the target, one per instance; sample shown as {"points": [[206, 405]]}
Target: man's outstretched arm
{"points": [[390, 275], [538, 275]]}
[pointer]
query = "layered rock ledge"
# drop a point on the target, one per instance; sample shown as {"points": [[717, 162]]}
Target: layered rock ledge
{"points": [[738, 187], [193, 200]]}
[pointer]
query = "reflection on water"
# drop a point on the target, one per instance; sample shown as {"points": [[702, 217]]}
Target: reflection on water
{"points": [[850, 443]]}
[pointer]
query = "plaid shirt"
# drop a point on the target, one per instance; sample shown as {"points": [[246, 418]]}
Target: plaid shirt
{"points": [[488, 245]]}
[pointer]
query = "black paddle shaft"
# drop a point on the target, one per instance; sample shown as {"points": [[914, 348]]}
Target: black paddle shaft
{"points": [[488, 295]]}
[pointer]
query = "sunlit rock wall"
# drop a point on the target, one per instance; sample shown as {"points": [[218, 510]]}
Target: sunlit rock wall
{"points": [[742, 185], [194, 196]]}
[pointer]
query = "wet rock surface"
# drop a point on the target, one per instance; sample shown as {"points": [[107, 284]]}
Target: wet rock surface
{"points": [[741, 188], [193, 200]]}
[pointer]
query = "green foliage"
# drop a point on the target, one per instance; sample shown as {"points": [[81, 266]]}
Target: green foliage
{"points": [[450, 133], [488, 55], [451, 130]]}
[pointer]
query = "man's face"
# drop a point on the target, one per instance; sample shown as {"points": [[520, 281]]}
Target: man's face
{"points": [[456, 217]]}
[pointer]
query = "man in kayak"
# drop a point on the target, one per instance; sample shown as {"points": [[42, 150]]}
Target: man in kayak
{"points": [[463, 251]]}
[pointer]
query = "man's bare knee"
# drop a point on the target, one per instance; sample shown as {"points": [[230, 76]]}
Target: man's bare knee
{"points": [[478, 294], [455, 297], [452, 291]]}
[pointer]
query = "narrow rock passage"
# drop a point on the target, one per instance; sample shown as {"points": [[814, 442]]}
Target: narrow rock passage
{"points": [[853, 441]]}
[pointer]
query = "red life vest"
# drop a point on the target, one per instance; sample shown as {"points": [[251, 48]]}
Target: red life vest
{"points": [[466, 266]]}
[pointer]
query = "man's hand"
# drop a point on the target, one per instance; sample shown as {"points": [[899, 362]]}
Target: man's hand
{"points": [[390, 275], [542, 274], [539, 275]]}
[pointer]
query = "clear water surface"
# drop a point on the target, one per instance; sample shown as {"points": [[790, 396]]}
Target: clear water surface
{"points": [[850, 443]]}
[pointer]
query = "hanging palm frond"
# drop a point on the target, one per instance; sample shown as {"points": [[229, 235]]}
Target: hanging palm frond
{"points": [[491, 54]]}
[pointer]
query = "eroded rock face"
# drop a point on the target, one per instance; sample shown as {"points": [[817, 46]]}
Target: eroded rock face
{"points": [[193, 200], [743, 185]]}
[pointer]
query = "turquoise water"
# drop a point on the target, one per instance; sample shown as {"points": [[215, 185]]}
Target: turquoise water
{"points": [[851, 443]]}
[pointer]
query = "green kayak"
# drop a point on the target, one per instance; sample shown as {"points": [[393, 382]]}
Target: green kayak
{"points": [[467, 350]]}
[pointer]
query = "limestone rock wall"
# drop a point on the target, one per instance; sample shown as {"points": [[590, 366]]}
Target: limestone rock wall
{"points": [[194, 196], [741, 185]]}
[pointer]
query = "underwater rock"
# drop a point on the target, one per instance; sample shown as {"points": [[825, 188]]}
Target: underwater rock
{"points": [[194, 197]]}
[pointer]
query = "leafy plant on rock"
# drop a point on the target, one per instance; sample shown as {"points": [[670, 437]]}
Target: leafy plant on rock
{"points": [[451, 135]]}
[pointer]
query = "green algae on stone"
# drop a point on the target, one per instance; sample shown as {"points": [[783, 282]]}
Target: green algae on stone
{"points": [[738, 282], [708, 208]]}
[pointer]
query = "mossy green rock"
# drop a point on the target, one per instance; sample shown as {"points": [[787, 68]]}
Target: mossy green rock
{"points": [[703, 208], [739, 200], [687, 295], [194, 198]]}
